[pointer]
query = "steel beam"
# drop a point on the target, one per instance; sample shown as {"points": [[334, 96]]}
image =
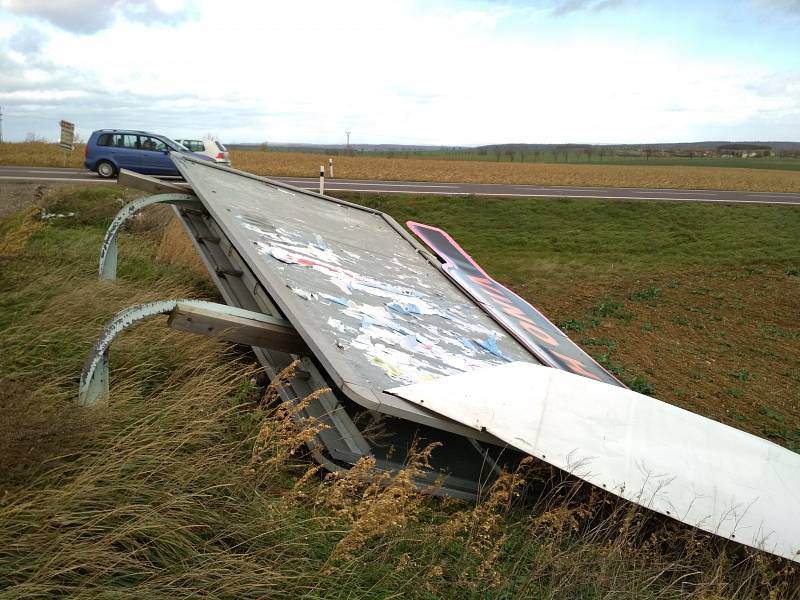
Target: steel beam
{"points": [[152, 185], [237, 325], [108, 251]]}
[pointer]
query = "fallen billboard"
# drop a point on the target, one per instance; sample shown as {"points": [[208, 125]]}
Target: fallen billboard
{"points": [[432, 349]]}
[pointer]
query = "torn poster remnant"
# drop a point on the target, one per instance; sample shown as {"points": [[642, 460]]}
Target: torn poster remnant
{"points": [[395, 322]]}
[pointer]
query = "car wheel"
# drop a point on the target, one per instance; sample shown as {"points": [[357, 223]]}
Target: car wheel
{"points": [[105, 169]]}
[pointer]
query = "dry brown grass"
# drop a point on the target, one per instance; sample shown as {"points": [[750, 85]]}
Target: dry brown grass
{"points": [[15, 231], [39, 154], [409, 169], [402, 169], [177, 249]]}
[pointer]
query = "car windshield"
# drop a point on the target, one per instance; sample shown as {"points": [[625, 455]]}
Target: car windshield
{"points": [[174, 145]]}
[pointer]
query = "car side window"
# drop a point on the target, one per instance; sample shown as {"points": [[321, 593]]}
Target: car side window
{"points": [[119, 140], [150, 143], [104, 140]]}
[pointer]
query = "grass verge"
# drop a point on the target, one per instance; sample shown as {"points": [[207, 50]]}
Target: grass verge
{"points": [[191, 482]]}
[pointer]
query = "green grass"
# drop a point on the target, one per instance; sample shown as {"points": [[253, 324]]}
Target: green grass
{"points": [[187, 485], [510, 238]]}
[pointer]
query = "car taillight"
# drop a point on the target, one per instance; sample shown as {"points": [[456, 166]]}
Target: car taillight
{"points": [[220, 155]]}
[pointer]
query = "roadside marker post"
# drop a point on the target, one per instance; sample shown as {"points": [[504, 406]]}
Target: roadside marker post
{"points": [[330, 167], [322, 179]]}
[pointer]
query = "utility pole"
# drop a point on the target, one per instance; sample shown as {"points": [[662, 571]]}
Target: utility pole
{"points": [[1, 124], [348, 141]]}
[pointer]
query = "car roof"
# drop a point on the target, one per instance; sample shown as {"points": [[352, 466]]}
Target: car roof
{"points": [[129, 131]]}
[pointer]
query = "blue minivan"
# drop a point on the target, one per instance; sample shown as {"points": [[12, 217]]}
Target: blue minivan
{"points": [[109, 150]]}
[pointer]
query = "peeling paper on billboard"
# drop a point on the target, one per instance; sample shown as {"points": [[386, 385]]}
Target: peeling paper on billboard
{"points": [[398, 326]]}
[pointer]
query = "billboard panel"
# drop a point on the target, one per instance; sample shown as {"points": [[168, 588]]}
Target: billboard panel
{"points": [[372, 308]]}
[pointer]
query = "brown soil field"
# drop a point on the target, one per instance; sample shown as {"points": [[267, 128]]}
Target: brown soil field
{"points": [[720, 342], [409, 169], [295, 164]]}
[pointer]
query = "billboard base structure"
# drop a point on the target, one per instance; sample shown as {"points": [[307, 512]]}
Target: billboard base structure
{"points": [[434, 350]]}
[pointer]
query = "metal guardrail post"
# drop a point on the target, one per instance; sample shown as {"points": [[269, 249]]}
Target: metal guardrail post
{"points": [[197, 316], [108, 251]]}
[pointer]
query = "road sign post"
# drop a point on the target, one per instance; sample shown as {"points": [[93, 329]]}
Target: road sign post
{"points": [[67, 139]]}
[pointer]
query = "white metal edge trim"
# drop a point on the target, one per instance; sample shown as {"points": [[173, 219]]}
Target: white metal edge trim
{"points": [[696, 470]]}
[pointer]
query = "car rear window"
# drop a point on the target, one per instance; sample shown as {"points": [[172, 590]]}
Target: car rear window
{"points": [[118, 140], [124, 140], [193, 145], [221, 147]]}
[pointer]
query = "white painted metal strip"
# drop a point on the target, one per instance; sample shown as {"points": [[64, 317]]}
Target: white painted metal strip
{"points": [[698, 471]]}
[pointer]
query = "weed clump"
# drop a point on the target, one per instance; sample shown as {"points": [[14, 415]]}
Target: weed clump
{"points": [[374, 504]]}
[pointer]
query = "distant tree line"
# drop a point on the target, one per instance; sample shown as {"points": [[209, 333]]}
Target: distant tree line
{"points": [[564, 153]]}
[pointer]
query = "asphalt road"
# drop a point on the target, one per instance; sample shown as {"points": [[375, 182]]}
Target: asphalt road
{"points": [[33, 174]]}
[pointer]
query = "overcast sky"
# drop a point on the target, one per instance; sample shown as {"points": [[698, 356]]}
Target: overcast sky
{"points": [[402, 71]]}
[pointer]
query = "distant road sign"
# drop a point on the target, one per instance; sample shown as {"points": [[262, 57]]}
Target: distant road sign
{"points": [[67, 135]]}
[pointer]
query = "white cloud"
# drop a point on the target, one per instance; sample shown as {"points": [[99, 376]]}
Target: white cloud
{"points": [[401, 71], [27, 40], [90, 16]]}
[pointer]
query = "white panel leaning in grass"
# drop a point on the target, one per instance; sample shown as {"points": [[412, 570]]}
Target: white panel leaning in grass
{"points": [[667, 459]]}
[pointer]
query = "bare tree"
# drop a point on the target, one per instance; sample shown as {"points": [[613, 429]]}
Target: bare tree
{"points": [[589, 150], [31, 138]]}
